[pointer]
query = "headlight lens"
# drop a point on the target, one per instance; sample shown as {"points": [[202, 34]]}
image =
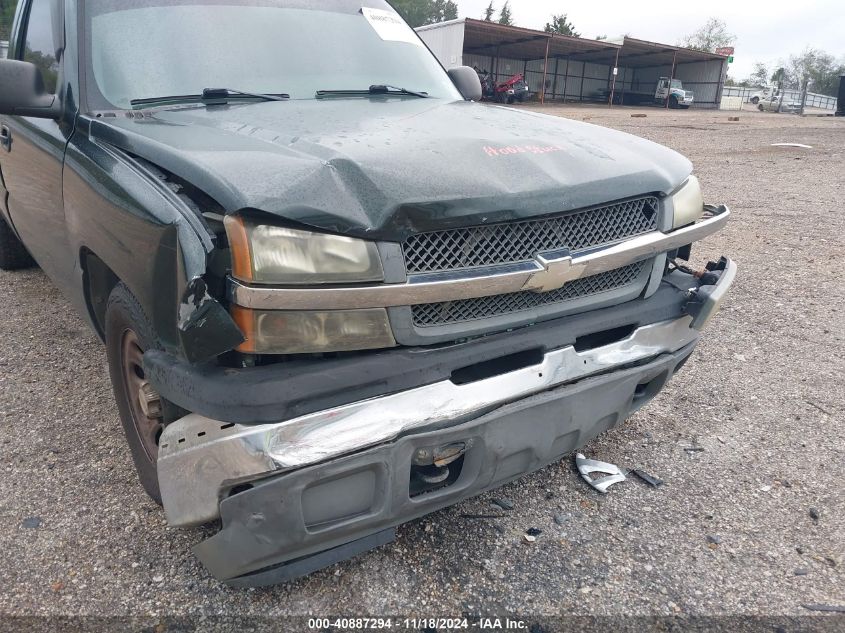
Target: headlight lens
{"points": [[688, 202], [267, 254], [305, 332]]}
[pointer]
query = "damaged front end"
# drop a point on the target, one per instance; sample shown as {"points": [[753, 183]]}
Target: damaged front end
{"points": [[316, 460], [336, 387], [206, 329]]}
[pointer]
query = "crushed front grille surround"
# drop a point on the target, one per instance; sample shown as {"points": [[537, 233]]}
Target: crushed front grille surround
{"points": [[449, 312], [478, 246]]}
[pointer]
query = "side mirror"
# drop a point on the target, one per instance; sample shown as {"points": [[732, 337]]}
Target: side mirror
{"points": [[466, 81], [23, 92]]}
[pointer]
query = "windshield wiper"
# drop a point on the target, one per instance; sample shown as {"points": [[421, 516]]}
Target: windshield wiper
{"points": [[375, 89], [210, 96]]}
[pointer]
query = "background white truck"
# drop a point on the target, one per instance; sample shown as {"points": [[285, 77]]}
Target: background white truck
{"points": [[673, 89]]}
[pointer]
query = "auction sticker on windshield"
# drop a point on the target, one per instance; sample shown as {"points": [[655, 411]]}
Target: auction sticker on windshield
{"points": [[389, 26]]}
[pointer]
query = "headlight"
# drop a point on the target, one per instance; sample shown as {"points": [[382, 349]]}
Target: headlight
{"points": [[267, 254], [305, 332], [688, 203]]}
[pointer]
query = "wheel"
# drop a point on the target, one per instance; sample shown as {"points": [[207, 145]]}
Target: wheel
{"points": [[755, 100], [128, 335], [761, 108], [13, 254], [673, 102]]}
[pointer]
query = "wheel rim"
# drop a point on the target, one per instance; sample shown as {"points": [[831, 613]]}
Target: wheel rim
{"points": [[134, 380]]}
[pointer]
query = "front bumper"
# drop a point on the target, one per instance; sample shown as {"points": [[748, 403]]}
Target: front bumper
{"points": [[215, 456], [271, 529], [330, 482]]}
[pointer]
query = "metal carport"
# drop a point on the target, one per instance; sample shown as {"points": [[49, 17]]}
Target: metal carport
{"points": [[559, 67]]}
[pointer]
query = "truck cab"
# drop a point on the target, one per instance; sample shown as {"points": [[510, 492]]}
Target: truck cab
{"points": [[335, 292], [673, 90]]}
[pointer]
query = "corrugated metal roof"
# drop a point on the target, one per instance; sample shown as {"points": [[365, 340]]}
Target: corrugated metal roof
{"points": [[644, 53], [491, 38]]}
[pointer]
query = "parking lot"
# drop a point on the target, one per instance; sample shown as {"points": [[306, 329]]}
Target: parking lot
{"points": [[748, 439]]}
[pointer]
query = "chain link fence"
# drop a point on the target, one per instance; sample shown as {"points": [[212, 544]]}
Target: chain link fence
{"points": [[747, 95]]}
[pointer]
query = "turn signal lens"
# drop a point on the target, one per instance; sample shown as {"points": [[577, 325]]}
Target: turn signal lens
{"points": [[305, 332]]}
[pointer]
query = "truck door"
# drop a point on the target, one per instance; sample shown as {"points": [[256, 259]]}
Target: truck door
{"points": [[662, 90], [33, 149]]}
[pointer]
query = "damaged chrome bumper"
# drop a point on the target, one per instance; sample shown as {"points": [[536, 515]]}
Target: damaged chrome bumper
{"points": [[293, 523], [200, 459]]}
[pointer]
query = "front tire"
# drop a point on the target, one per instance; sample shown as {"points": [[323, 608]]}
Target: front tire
{"points": [[755, 100], [13, 254], [673, 103], [128, 335]]}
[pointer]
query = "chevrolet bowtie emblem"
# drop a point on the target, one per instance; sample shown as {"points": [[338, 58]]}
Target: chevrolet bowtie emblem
{"points": [[557, 269]]}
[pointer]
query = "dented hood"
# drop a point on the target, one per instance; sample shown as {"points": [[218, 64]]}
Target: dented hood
{"points": [[387, 167]]}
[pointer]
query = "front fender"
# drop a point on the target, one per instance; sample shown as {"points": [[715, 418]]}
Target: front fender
{"points": [[149, 238]]}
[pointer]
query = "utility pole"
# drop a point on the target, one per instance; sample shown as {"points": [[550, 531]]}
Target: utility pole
{"points": [[804, 86]]}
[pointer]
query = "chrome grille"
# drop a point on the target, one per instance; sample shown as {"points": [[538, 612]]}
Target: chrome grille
{"points": [[431, 314], [520, 241]]}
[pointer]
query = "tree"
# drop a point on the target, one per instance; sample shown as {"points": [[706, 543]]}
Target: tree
{"points": [[421, 12], [505, 16], [7, 14], [818, 69], [561, 24], [601, 37], [488, 12], [714, 34], [760, 76]]}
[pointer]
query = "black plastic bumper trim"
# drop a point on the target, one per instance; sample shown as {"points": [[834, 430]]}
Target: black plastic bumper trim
{"points": [[309, 564]]}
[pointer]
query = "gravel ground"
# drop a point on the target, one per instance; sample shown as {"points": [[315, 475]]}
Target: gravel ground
{"points": [[730, 532]]}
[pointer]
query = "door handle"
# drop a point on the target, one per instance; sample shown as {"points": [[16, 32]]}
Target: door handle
{"points": [[5, 138]]}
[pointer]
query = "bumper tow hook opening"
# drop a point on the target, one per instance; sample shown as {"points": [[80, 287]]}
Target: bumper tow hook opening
{"points": [[436, 468]]}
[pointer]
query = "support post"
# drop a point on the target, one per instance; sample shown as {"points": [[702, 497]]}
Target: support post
{"points": [[671, 77], [583, 72], [614, 71], [804, 87], [545, 71], [566, 79]]}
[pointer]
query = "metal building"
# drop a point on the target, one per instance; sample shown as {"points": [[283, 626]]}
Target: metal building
{"points": [[559, 67]]}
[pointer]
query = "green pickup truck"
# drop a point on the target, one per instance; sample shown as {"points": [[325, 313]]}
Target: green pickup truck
{"points": [[336, 293]]}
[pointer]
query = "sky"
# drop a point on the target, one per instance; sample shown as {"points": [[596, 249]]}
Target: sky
{"points": [[765, 31]]}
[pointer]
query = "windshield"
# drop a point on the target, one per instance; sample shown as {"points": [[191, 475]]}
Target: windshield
{"points": [[676, 83], [139, 49]]}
